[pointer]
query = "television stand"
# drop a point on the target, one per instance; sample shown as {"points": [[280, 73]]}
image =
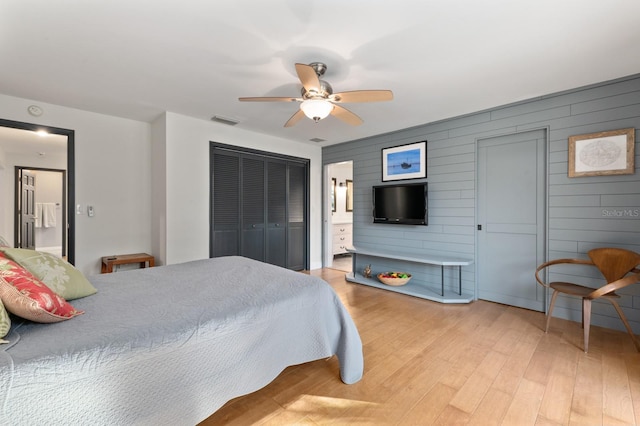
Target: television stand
{"points": [[413, 288]]}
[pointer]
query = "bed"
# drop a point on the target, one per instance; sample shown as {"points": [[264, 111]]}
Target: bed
{"points": [[172, 344]]}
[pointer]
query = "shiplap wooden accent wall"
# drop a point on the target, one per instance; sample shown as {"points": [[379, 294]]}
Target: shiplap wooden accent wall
{"points": [[582, 213]]}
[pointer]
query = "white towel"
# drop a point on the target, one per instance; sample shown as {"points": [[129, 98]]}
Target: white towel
{"points": [[38, 215], [49, 215]]}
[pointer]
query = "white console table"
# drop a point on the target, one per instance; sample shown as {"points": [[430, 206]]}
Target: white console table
{"points": [[412, 288]]}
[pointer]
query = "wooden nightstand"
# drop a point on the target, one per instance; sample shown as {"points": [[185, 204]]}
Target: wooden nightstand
{"points": [[108, 262]]}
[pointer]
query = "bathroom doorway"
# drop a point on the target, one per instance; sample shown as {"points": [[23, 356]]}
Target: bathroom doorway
{"points": [[338, 215]]}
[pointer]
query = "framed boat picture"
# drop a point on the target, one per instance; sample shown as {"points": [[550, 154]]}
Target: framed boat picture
{"points": [[404, 162]]}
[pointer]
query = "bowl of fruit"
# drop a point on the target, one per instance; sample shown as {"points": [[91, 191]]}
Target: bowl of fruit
{"points": [[394, 278]]}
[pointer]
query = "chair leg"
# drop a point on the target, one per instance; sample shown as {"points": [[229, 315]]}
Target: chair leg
{"points": [[553, 302], [626, 323], [586, 320]]}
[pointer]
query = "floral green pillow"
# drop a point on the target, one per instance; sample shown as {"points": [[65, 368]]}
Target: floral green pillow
{"points": [[58, 275], [5, 323]]}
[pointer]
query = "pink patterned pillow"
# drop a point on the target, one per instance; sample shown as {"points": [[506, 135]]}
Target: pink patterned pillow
{"points": [[26, 296]]}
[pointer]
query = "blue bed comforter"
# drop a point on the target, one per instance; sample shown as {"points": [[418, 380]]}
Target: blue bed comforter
{"points": [[172, 344]]}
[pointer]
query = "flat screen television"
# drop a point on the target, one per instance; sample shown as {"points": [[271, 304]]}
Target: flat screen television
{"points": [[402, 204]]}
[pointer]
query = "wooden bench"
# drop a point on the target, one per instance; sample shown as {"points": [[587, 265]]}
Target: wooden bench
{"points": [[108, 262]]}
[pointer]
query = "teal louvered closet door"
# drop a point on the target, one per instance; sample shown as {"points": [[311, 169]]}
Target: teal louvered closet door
{"points": [[276, 213], [225, 205], [253, 209], [259, 206]]}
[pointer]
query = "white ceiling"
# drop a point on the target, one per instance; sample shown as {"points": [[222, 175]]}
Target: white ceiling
{"points": [[441, 58]]}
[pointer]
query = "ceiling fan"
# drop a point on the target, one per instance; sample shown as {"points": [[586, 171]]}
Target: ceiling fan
{"points": [[318, 99]]}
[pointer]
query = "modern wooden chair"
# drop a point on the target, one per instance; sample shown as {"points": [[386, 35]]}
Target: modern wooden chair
{"points": [[615, 264]]}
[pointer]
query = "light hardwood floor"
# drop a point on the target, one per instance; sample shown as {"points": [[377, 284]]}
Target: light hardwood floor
{"points": [[428, 363], [342, 263]]}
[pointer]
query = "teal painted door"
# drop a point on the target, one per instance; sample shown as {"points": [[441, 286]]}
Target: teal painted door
{"points": [[511, 213]]}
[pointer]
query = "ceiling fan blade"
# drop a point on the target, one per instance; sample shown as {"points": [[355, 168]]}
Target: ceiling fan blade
{"points": [[346, 115], [294, 118], [363, 96], [308, 77], [269, 99]]}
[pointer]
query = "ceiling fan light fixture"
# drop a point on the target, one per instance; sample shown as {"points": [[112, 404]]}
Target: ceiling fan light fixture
{"points": [[317, 99], [316, 109]]}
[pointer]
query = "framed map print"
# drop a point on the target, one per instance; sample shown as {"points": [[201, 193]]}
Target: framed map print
{"points": [[602, 154]]}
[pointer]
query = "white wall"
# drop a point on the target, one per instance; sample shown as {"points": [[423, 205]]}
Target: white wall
{"points": [[49, 189], [185, 183], [112, 161], [159, 189]]}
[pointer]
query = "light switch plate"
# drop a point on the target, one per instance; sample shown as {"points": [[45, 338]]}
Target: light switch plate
{"points": [[90, 211]]}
